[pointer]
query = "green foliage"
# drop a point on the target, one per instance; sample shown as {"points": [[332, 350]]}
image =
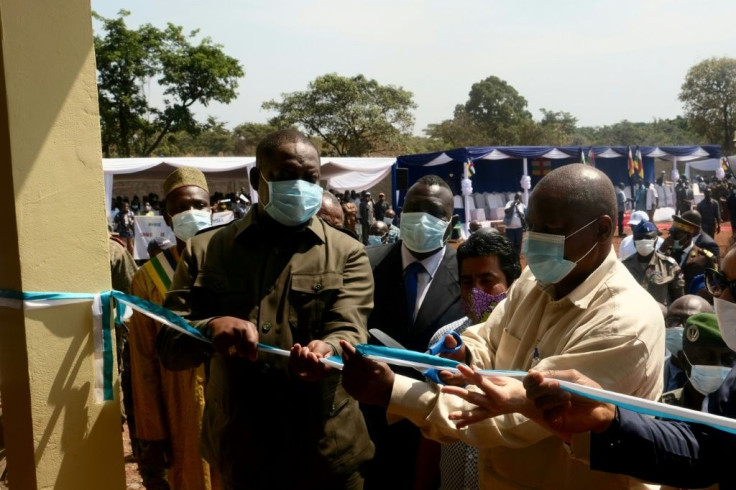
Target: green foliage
{"points": [[188, 73], [352, 116], [662, 132], [709, 97], [497, 108]]}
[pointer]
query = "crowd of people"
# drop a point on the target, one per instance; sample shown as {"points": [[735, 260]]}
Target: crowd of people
{"points": [[313, 272]]}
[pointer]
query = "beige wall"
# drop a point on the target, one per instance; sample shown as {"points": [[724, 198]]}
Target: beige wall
{"points": [[56, 436]]}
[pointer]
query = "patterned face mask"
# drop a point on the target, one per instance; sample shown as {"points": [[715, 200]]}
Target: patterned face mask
{"points": [[479, 304]]}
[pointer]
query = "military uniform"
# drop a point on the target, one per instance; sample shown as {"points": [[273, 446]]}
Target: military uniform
{"points": [[263, 427], [661, 276]]}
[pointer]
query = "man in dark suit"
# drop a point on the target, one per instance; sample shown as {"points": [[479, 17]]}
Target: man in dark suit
{"points": [[417, 291], [702, 239]]}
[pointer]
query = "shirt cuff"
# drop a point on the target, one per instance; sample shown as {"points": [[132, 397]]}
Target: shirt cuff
{"points": [[410, 398]]}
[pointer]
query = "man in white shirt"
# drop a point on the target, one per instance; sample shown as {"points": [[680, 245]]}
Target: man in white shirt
{"points": [[514, 221], [652, 200], [570, 308]]}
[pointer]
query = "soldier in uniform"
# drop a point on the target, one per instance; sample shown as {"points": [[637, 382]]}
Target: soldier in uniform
{"points": [[659, 274], [681, 246], [702, 348]]}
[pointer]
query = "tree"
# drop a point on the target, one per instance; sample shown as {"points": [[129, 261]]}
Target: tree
{"points": [[709, 98], [497, 108], [189, 73], [247, 136], [352, 116]]}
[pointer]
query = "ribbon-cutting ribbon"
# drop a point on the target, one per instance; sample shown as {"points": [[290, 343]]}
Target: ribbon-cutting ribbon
{"points": [[102, 313]]}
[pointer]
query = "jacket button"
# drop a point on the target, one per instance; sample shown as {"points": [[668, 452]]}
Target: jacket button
{"points": [[317, 287], [266, 327]]}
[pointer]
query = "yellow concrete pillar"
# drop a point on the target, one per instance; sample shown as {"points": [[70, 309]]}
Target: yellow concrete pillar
{"points": [[53, 239]]}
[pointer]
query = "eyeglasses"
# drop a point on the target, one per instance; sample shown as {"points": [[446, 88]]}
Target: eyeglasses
{"points": [[717, 282]]}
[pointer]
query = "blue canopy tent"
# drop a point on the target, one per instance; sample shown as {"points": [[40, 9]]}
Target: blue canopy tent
{"points": [[507, 168]]}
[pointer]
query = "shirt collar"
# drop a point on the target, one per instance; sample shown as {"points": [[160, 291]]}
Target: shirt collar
{"points": [[431, 263], [251, 223]]}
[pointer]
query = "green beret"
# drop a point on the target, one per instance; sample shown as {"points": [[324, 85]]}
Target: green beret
{"points": [[702, 329], [184, 176]]}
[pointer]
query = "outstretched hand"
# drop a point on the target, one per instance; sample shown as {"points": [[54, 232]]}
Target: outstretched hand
{"points": [[449, 378], [562, 412], [305, 361], [364, 379], [499, 395]]}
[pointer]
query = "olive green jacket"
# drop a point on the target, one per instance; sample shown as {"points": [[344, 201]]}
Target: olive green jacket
{"points": [[262, 427]]}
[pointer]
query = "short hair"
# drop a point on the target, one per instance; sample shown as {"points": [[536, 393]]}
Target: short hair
{"points": [[430, 180], [271, 142], [486, 244]]}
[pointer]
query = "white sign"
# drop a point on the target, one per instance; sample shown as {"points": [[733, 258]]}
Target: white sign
{"points": [[148, 228], [222, 218]]}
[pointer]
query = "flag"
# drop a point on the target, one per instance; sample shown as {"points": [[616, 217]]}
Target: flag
{"points": [[470, 168], [582, 157], [725, 165], [638, 164], [591, 157], [632, 166]]}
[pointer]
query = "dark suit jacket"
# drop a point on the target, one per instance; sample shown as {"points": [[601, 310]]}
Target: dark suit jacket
{"points": [[441, 304], [396, 445], [672, 453], [706, 241]]}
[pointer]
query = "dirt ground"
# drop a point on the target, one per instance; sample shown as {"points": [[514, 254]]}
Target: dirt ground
{"points": [[132, 478]]}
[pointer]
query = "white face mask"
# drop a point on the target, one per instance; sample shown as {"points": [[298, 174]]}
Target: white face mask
{"points": [[187, 223], [726, 315], [645, 247], [388, 220]]}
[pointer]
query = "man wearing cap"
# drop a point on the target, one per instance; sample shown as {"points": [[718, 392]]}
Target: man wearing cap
{"points": [[674, 322], [626, 248], [283, 278], [657, 273], [707, 360], [380, 207], [693, 250], [169, 404]]}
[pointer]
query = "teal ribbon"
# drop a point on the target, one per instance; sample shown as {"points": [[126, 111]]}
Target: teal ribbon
{"points": [[645, 407]]}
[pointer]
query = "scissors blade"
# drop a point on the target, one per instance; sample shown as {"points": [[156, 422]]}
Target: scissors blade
{"points": [[385, 339]]}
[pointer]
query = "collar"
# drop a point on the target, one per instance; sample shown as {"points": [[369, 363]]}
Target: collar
{"points": [[431, 263], [252, 223]]}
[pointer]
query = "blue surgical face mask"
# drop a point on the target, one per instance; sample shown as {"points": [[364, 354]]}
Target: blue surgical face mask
{"points": [[673, 339], [545, 255], [292, 202], [375, 239], [388, 220], [187, 223], [707, 379], [422, 232]]}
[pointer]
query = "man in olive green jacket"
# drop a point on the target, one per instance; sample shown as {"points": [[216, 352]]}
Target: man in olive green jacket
{"points": [[284, 278]]}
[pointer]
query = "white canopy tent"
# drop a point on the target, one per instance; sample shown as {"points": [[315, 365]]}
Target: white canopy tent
{"points": [[341, 174]]}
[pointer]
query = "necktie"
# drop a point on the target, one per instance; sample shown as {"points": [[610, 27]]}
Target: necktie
{"points": [[411, 282]]}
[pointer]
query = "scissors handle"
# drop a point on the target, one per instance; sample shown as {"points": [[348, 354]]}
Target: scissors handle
{"points": [[440, 348]]}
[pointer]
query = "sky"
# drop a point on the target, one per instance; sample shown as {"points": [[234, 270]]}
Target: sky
{"points": [[603, 61]]}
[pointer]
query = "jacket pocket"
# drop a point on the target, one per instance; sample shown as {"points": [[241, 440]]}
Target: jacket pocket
{"points": [[310, 297], [215, 295]]}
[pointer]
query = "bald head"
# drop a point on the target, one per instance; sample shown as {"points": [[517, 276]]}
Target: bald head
{"points": [[582, 190], [331, 210], [689, 305]]}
